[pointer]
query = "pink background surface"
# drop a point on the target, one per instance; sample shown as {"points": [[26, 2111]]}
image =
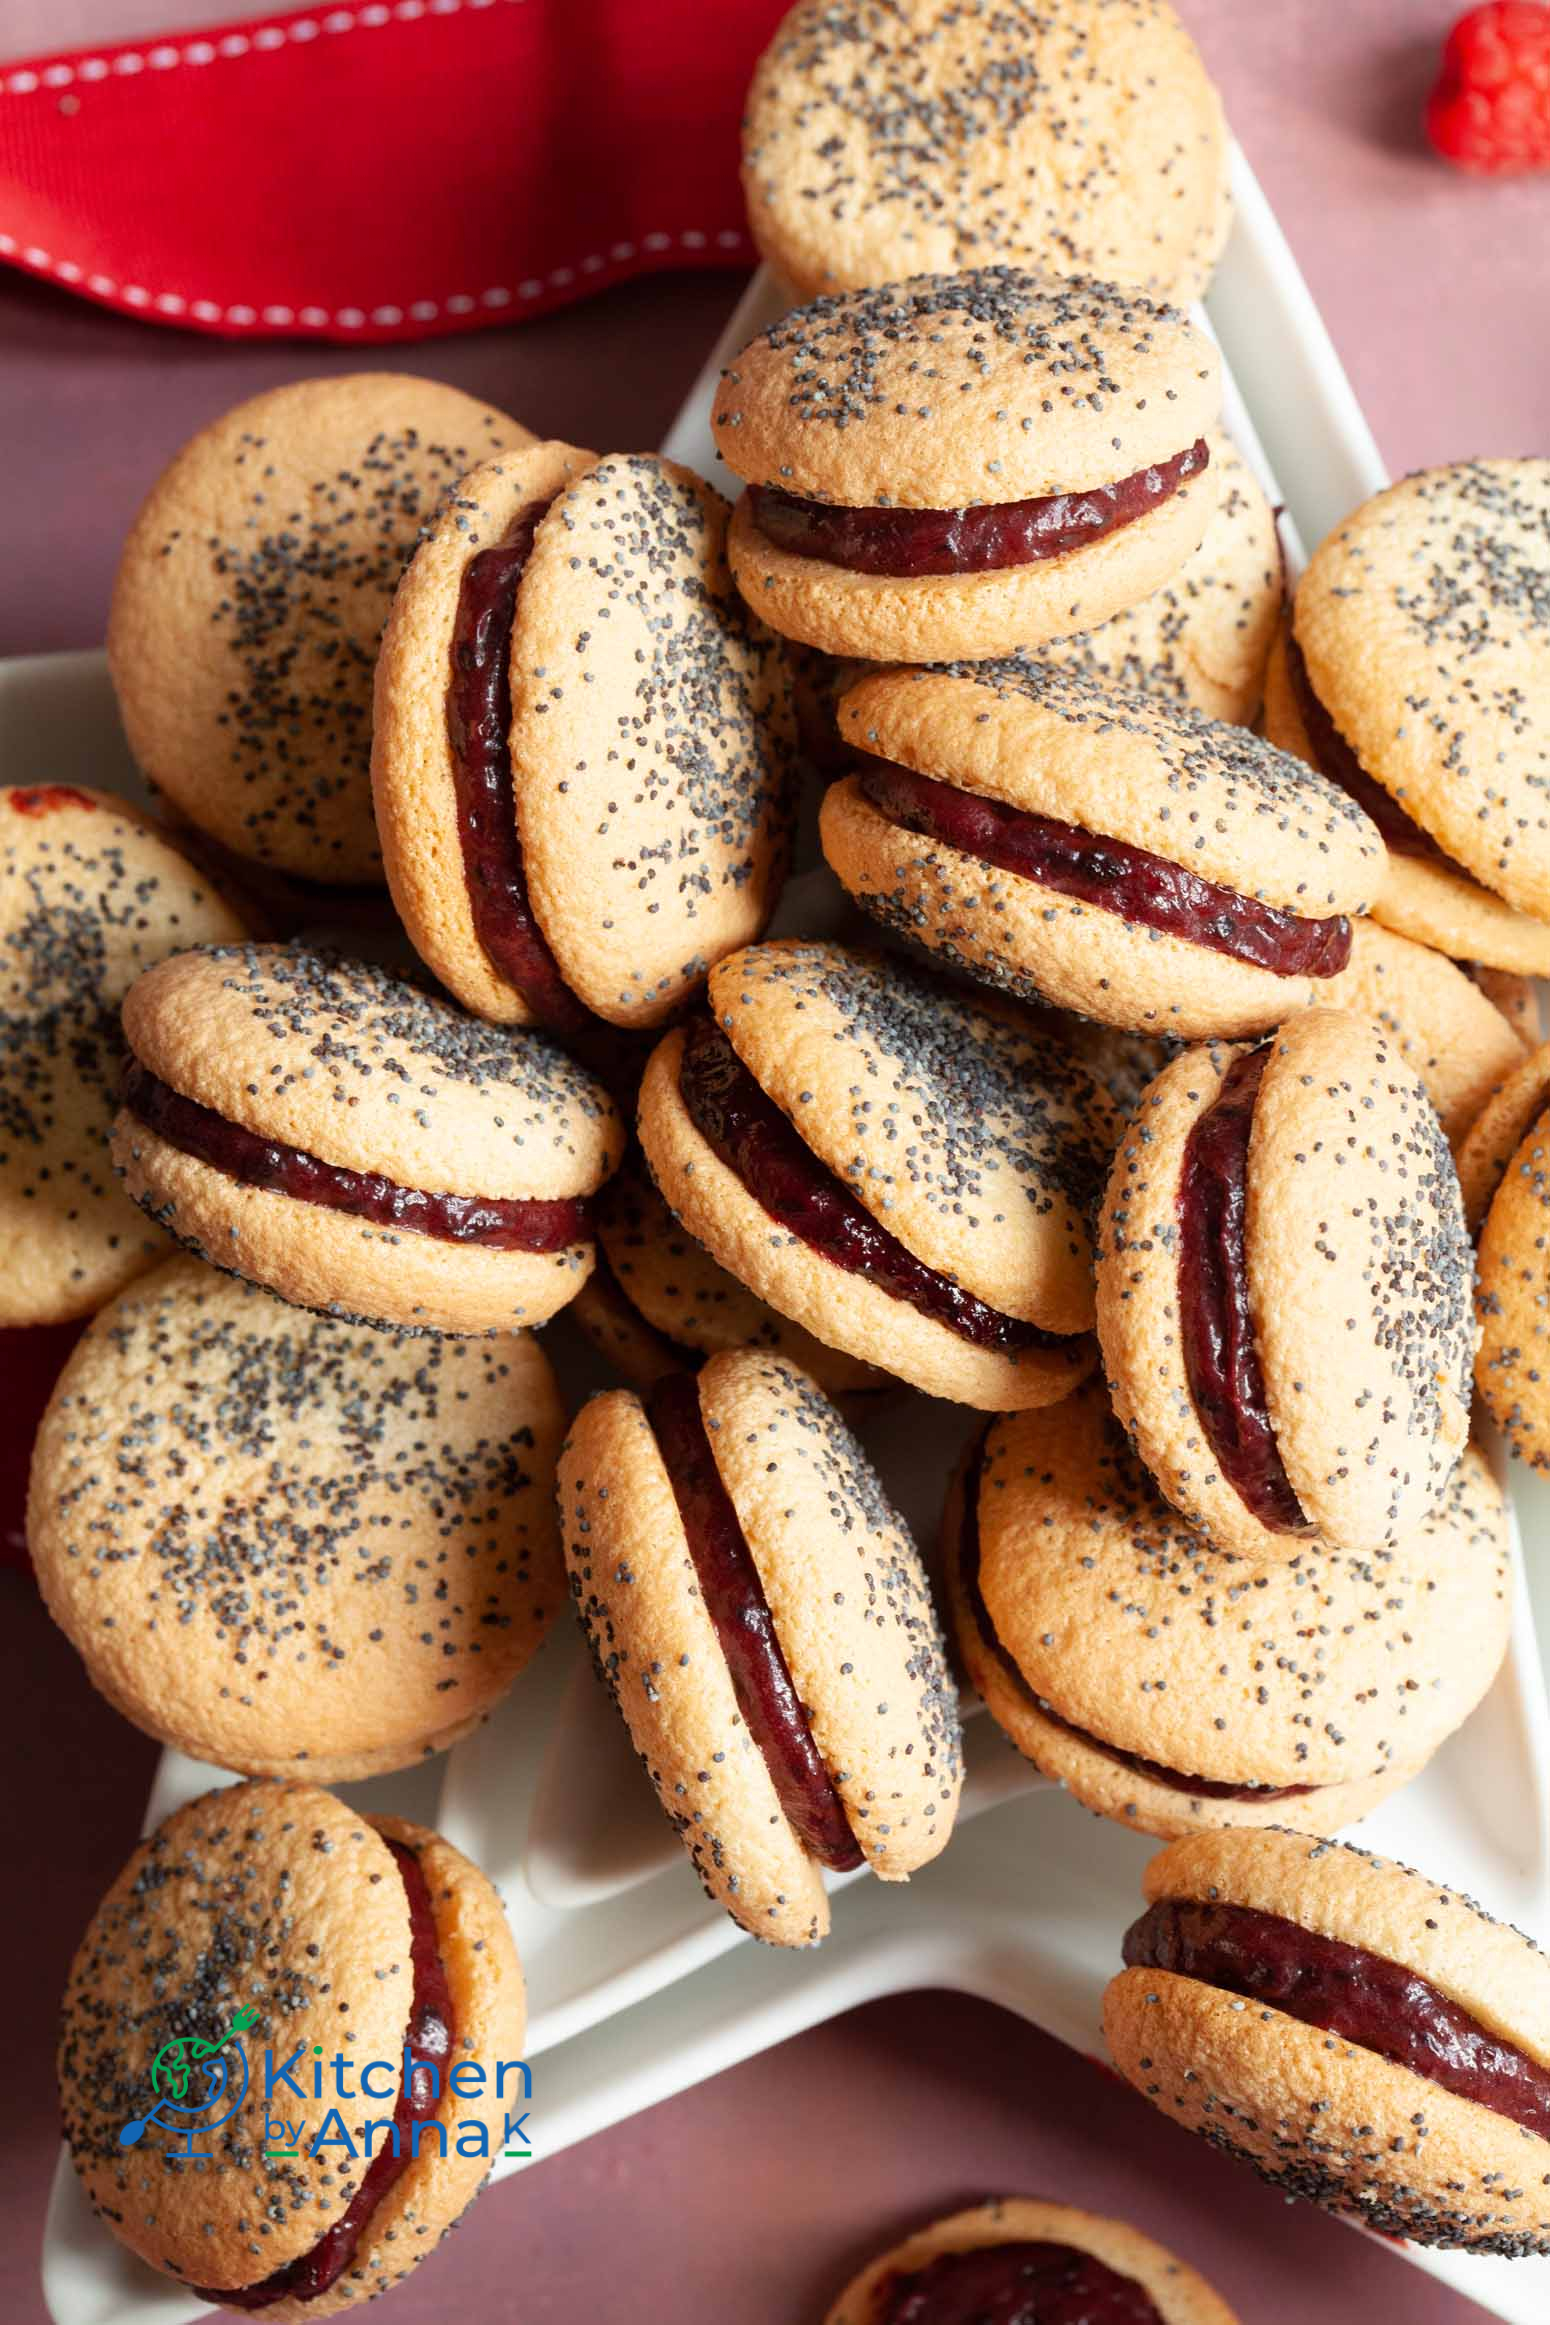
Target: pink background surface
{"points": [[748, 2201]]}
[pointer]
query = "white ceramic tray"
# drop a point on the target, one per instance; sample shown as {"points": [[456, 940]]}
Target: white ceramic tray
{"points": [[638, 1986]]}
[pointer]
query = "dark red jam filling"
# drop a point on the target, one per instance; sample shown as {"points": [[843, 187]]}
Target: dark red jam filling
{"points": [[1111, 874], [479, 730], [1199, 1787], [43, 798], [979, 539], [734, 1598], [1361, 1997], [428, 2040], [1221, 1358], [1339, 762], [1022, 2283], [495, 1223], [754, 1139]]}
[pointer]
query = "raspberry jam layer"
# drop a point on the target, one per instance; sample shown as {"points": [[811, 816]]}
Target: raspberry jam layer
{"points": [[1015, 2284], [754, 1139], [428, 2040], [479, 731], [734, 1598], [1221, 1357], [1198, 1787], [1111, 874], [981, 539], [1361, 1997], [1339, 762], [494, 1223]]}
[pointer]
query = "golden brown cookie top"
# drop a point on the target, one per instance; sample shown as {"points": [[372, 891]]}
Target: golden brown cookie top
{"points": [[904, 137], [251, 594], [997, 384]]}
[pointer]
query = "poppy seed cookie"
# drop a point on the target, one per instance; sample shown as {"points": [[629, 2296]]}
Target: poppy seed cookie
{"points": [[960, 465], [287, 1545], [356, 1145], [251, 594], [1364, 2037], [762, 1619]]}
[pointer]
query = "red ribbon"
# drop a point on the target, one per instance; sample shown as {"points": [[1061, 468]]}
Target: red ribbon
{"points": [[384, 169]]}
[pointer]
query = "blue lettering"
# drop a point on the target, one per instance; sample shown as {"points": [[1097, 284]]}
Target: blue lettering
{"points": [[435, 2124], [386, 2124], [505, 2067], [332, 2133], [466, 2079], [274, 2074], [369, 2089]]}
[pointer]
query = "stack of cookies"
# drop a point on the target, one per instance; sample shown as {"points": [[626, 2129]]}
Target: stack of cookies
{"points": [[1146, 1103]]}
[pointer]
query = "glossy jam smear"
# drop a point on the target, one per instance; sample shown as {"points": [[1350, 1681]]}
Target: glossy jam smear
{"points": [[428, 2039], [1023, 2283], [43, 798], [1339, 762], [1361, 1997], [1199, 1787], [754, 1139], [1221, 1358], [1111, 874], [479, 731], [980, 539], [734, 1599], [496, 1223]]}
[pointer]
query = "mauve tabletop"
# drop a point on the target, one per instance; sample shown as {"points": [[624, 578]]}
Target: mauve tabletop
{"points": [[748, 2200]]}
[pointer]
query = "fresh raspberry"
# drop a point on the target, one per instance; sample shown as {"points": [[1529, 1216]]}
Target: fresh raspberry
{"points": [[1490, 110]]}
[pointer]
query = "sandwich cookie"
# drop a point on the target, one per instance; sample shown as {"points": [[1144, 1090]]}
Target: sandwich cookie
{"points": [[906, 1172], [1516, 996], [958, 465], [1436, 1017], [1364, 2037], [1498, 1130], [358, 1146], [1512, 1289], [1284, 1283], [1170, 1685], [1022, 2260], [90, 894], [920, 137], [583, 742], [250, 597], [656, 1302], [1121, 856], [1202, 639], [271, 1918], [762, 1619], [287, 1545], [1421, 642]]}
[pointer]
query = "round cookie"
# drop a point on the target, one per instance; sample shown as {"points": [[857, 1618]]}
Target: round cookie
{"points": [[1423, 623], [656, 1302], [961, 465], [1365, 2037], [763, 1622], [1436, 1016], [1203, 638], [1284, 1282], [582, 742], [1515, 995], [1424, 894], [885, 141], [1503, 1122], [902, 1169], [251, 594], [357, 1145], [1054, 2251], [90, 894], [1121, 856], [1512, 1289], [292, 1546], [1171, 1686], [280, 1902]]}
